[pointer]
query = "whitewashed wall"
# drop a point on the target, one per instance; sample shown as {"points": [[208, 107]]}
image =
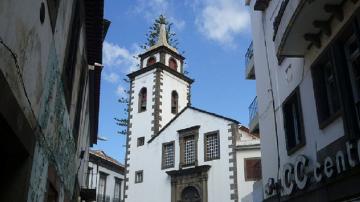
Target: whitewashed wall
{"points": [[170, 83], [156, 185], [285, 78], [244, 187]]}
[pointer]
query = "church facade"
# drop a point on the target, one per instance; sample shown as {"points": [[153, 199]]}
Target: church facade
{"points": [[175, 152]]}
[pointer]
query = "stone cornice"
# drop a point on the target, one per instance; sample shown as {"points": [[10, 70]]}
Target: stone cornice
{"points": [[162, 67]]}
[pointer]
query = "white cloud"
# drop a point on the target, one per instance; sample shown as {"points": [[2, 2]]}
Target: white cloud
{"points": [[223, 20], [151, 9], [116, 56], [112, 77], [120, 91]]}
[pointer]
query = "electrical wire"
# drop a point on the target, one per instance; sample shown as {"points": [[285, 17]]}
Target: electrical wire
{"points": [[272, 102]]}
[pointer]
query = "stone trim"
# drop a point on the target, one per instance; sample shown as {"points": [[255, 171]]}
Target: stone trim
{"points": [[163, 67], [162, 57], [140, 94], [128, 138], [196, 177], [160, 49], [196, 109], [156, 97], [188, 95], [234, 132], [187, 132], [217, 133]]}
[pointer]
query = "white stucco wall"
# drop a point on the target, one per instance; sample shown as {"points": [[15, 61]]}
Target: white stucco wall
{"points": [[110, 180], [292, 72], [156, 185], [170, 83], [142, 121], [244, 187]]}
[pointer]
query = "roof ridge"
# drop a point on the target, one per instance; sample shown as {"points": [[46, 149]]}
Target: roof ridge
{"points": [[194, 108]]}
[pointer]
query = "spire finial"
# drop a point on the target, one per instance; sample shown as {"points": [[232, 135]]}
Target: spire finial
{"points": [[162, 40], [162, 37]]}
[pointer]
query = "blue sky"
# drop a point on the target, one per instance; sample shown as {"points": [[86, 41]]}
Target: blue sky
{"points": [[214, 34]]}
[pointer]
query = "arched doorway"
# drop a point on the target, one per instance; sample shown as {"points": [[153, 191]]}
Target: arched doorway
{"points": [[190, 194]]}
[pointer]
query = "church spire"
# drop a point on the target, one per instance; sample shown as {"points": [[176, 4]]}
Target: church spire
{"points": [[162, 36], [162, 40]]}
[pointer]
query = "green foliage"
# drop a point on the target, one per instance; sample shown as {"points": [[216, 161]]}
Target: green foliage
{"points": [[153, 34], [123, 122]]}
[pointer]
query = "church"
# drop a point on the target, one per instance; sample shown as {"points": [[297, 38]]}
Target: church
{"points": [[176, 152]]}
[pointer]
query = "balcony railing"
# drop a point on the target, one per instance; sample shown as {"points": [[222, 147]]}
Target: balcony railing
{"points": [[249, 63], [249, 54], [253, 116], [253, 109]]}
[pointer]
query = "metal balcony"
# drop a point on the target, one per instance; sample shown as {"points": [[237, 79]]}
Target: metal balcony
{"points": [[249, 63], [253, 116]]}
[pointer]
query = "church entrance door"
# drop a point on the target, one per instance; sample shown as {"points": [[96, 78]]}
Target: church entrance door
{"points": [[190, 194]]}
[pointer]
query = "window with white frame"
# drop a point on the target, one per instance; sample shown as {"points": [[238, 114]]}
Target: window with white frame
{"points": [[212, 145], [168, 158]]}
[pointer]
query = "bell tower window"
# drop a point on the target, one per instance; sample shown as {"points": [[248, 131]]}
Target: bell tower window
{"points": [[174, 102], [173, 64], [151, 61], [142, 100]]}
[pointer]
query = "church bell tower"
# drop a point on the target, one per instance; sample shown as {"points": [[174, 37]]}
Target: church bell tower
{"points": [[159, 90]]}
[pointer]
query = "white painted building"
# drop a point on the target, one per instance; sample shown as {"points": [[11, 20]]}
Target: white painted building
{"points": [[106, 176], [248, 161], [176, 152], [305, 60]]}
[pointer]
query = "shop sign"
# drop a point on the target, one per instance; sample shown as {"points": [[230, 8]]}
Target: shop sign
{"points": [[298, 175]]}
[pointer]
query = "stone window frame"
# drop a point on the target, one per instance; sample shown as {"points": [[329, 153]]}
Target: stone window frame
{"points": [[217, 133], [163, 166], [140, 141], [139, 172], [247, 179], [140, 100], [174, 103], [183, 134]]}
